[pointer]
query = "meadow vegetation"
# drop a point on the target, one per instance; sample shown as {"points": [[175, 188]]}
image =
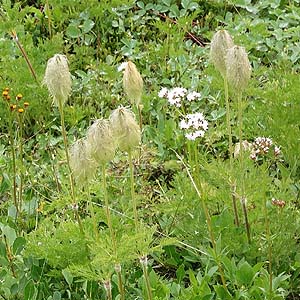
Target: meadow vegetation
{"points": [[150, 150]]}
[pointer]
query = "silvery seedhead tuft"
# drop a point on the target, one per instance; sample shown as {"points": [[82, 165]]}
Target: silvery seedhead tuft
{"points": [[100, 142], [132, 83], [238, 68], [219, 45], [58, 79], [125, 128], [82, 166]]}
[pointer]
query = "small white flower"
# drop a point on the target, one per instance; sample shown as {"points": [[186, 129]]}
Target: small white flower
{"points": [[193, 135], [195, 122], [122, 66], [277, 150], [163, 92], [183, 124], [192, 96]]}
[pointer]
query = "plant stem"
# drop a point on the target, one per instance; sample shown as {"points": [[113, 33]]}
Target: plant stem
{"points": [[107, 287], [139, 107], [91, 209], [120, 282], [133, 199], [13, 154], [241, 160], [229, 132], [268, 237], [112, 234], [247, 225], [20, 140], [16, 39], [209, 225], [71, 177], [144, 263], [9, 257], [107, 211], [48, 14]]}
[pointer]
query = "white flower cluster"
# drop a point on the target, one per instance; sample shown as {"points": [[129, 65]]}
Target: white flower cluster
{"points": [[261, 146], [195, 124], [176, 95]]}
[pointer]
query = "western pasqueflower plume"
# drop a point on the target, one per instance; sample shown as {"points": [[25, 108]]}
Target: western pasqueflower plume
{"points": [[58, 79]]}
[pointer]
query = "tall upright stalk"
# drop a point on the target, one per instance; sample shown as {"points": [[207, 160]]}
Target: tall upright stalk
{"points": [[14, 166], [143, 258], [242, 171], [71, 177], [133, 199], [112, 234], [21, 162], [229, 132], [208, 222]]}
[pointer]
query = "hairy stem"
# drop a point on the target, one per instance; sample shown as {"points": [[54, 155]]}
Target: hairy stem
{"points": [[133, 199], [229, 132], [71, 177]]}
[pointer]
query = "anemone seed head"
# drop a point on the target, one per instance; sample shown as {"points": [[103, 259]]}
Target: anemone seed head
{"points": [[220, 43], [238, 68], [100, 141], [82, 166], [132, 83], [58, 79], [125, 128]]}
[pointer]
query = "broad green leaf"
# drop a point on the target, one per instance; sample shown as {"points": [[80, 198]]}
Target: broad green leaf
{"points": [[245, 274], [56, 295], [87, 26], [73, 32], [18, 245], [30, 291], [222, 294], [68, 276], [10, 234]]}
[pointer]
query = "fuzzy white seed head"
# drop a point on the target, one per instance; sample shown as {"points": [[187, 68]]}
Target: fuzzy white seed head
{"points": [[58, 79], [82, 166], [220, 43], [100, 142], [132, 83], [125, 128], [238, 68]]}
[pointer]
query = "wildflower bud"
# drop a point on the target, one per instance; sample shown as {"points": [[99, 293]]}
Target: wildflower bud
{"points": [[13, 107], [82, 166], [238, 68], [19, 96], [118, 268], [144, 260], [132, 83], [107, 286], [6, 89], [8, 97], [125, 128], [220, 43], [58, 79], [100, 142], [20, 110], [26, 104]]}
